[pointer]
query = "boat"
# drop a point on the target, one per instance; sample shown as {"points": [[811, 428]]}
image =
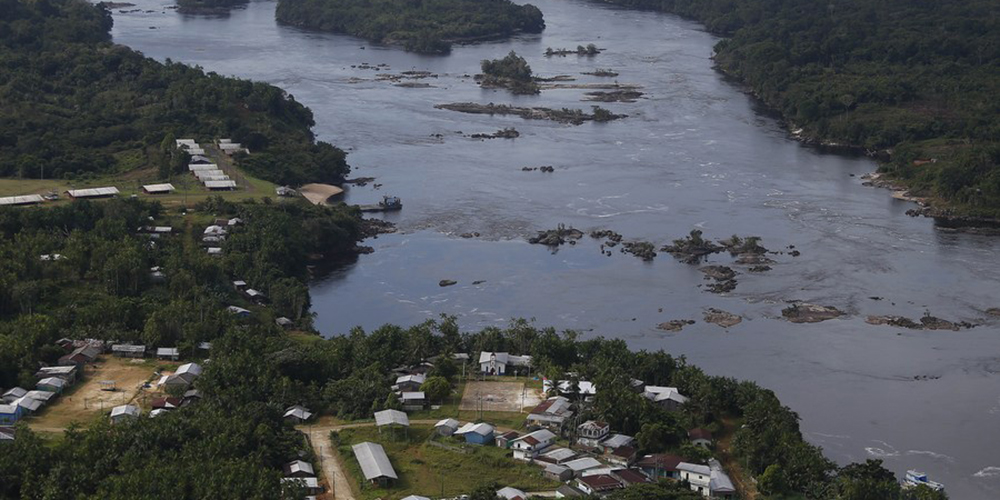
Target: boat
{"points": [[388, 204], [917, 478]]}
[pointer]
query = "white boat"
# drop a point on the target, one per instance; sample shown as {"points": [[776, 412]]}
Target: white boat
{"points": [[917, 478]]}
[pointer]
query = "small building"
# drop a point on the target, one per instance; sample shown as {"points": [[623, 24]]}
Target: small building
{"points": [[43, 396], [284, 322], [628, 477], [413, 401], [616, 441], [528, 446], [13, 394], [551, 413], [221, 185], [496, 363], [409, 382], [667, 398], [182, 378], [67, 373], [285, 191], [297, 414], [568, 491], [102, 192], [28, 405], [481, 433], [29, 199], [166, 188], [256, 296], [507, 439], [508, 493], [599, 484], [581, 465], [202, 167], [592, 432], [10, 413], [52, 384], [700, 437], [216, 251], [446, 427], [556, 472], [720, 485], [123, 413], [697, 475], [374, 463], [556, 455], [391, 418], [309, 484], [239, 311], [128, 350], [298, 468], [171, 353], [170, 403], [80, 356], [623, 456], [157, 412], [191, 396]]}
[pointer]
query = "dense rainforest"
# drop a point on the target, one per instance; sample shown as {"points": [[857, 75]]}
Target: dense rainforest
{"points": [[74, 105], [917, 77], [428, 26]]}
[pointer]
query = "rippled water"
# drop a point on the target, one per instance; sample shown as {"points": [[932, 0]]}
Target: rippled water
{"points": [[695, 152]]}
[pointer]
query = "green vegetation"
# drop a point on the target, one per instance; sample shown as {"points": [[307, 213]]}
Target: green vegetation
{"points": [[919, 77], [511, 72], [589, 50], [446, 468], [428, 26], [75, 106]]}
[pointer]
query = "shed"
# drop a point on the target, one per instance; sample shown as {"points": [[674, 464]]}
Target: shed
{"points": [[6, 435], [13, 394], [29, 199], [200, 160], [171, 353], [158, 188], [616, 441], [700, 437], [29, 405], [297, 414], [310, 484], [481, 433], [239, 311], [391, 418], [446, 427], [170, 403], [51, 384], [80, 356], [374, 463], [582, 464], [216, 251], [557, 472], [124, 412], [506, 439], [508, 493], [299, 468], [220, 185], [197, 167], [255, 295], [43, 396], [67, 373], [128, 350], [10, 414], [102, 192]]}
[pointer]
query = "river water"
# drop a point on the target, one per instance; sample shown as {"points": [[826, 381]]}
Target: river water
{"points": [[695, 152]]}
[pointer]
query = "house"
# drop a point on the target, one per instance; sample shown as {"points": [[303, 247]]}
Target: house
{"points": [[697, 475], [284, 322], [413, 401], [551, 413], [67, 373], [599, 484], [170, 403], [204, 346], [128, 350], [13, 395], [239, 284], [374, 463], [309, 484], [481, 433], [409, 382], [623, 456], [10, 413], [507, 439], [102, 192], [446, 427], [528, 446], [183, 377], [123, 413], [51, 384], [43, 396], [298, 468], [158, 188], [256, 296], [667, 398], [508, 493], [556, 455], [391, 418], [238, 311], [592, 432], [700, 437], [171, 353], [616, 441], [297, 414], [80, 356], [580, 465], [220, 185], [191, 396], [628, 477], [720, 485], [28, 405], [496, 363], [568, 491], [556, 472]]}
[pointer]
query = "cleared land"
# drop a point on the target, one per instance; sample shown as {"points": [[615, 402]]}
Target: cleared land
{"points": [[85, 401], [429, 470], [318, 194], [495, 396]]}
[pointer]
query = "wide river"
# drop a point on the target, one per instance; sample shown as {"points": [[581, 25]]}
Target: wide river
{"points": [[695, 152]]}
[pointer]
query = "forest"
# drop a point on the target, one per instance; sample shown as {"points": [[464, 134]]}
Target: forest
{"points": [[917, 77], [428, 26], [74, 105]]}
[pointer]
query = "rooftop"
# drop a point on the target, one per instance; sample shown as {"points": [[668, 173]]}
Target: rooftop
{"points": [[373, 460]]}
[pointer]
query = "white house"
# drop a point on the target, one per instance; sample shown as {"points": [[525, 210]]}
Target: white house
{"points": [[592, 432], [698, 476], [667, 398], [529, 445]]}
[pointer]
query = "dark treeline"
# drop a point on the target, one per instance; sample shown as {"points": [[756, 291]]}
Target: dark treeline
{"points": [[74, 105], [920, 76], [208, 5], [422, 25]]}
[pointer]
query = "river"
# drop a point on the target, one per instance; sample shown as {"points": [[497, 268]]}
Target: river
{"points": [[695, 152]]}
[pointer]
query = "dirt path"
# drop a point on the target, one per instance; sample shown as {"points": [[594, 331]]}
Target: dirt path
{"points": [[744, 486]]}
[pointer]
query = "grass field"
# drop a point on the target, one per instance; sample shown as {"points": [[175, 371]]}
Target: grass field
{"points": [[85, 401], [428, 470]]}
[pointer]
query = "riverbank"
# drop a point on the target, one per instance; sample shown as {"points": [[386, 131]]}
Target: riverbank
{"points": [[320, 194]]}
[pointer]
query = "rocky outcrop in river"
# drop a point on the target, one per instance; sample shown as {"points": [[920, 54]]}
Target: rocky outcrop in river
{"points": [[810, 313], [556, 237], [564, 115], [674, 325], [722, 318]]}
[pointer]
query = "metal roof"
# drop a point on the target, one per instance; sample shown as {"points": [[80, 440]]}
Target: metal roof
{"points": [[509, 493], [298, 412], [87, 193], [300, 466], [483, 429], [484, 357], [189, 369], [159, 188], [125, 410], [412, 396], [448, 422], [695, 468], [617, 441], [168, 351], [305, 482], [204, 172], [582, 464], [128, 348], [29, 403], [390, 417], [418, 379], [560, 454], [53, 381], [21, 200], [220, 184], [373, 460], [198, 167]]}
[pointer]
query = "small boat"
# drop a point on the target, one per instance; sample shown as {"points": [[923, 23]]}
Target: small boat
{"points": [[917, 478], [388, 204]]}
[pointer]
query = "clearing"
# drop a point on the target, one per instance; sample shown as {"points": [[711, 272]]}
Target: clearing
{"points": [[496, 396], [85, 400]]}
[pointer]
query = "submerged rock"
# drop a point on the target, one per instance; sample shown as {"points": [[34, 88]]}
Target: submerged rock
{"points": [[444, 283], [720, 273], [810, 313], [557, 236], [642, 249], [898, 321], [722, 318], [675, 325], [934, 323]]}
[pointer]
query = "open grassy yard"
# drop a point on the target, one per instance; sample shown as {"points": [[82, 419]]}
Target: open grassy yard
{"points": [[428, 470], [85, 401]]}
